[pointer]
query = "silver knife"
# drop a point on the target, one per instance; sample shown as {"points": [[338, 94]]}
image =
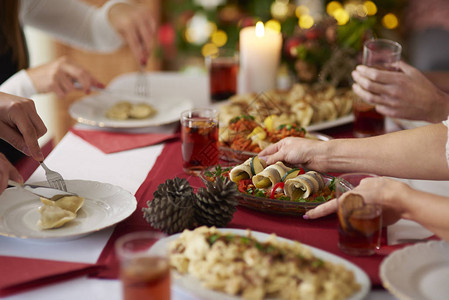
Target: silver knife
{"points": [[42, 191]]}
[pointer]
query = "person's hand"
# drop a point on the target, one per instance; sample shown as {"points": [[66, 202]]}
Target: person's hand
{"points": [[7, 171], [20, 125], [380, 191], [406, 94], [59, 76], [293, 150], [135, 24]]}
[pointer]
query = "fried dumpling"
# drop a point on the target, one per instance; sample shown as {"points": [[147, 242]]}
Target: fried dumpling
{"points": [[70, 203], [53, 216]]}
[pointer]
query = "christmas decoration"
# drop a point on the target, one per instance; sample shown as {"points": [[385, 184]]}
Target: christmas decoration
{"points": [[312, 31], [216, 203], [175, 206], [172, 207]]}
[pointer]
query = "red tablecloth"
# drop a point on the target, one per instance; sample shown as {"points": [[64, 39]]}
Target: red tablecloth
{"points": [[320, 233]]}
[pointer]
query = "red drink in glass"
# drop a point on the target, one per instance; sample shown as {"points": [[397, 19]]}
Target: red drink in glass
{"points": [[199, 132], [223, 78], [381, 54], [361, 235], [146, 278], [367, 121]]}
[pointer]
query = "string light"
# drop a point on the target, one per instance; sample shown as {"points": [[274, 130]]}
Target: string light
{"points": [[273, 25], [279, 9], [219, 38], [341, 16], [371, 8], [306, 21], [301, 10], [332, 6], [209, 49], [390, 21]]}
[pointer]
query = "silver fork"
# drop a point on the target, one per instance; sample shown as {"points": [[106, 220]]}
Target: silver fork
{"points": [[54, 178], [141, 88]]}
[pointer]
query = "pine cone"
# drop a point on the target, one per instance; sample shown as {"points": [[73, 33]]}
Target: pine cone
{"points": [[216, 203], [172, 207]]}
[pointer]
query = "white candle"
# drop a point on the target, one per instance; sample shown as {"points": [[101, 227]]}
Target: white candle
{"points": [[260, 51]]}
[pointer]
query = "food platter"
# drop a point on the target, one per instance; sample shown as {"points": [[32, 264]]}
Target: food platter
{"points": [[279, 206], [232, 155], [274, 206], [104, 205], [187, 284], [419, 271], [91, 110]]}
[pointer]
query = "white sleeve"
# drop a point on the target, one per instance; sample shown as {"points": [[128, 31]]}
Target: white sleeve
{"points": [[447, 142], [73, 22], [19, 84]]}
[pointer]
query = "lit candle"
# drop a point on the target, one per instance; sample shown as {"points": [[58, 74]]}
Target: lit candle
{"points": [[260, 51]]}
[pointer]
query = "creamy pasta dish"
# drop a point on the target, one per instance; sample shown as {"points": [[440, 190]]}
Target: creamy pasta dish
{"points": [[246, 267]]}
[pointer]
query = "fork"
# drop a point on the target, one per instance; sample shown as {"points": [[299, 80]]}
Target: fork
{"points": [[54, 178], [141, 87]]}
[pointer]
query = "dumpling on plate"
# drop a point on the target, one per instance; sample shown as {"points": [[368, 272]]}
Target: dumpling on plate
{"points": [[70, 203], [53, 216]]}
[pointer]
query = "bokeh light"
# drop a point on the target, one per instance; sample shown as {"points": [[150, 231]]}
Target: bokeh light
{"points": [[279, 9], [306, 21], [273, 25], [332, 7], [301, 10], [209, 49], [219, 38], [371, 8], [390, 21], [341, 16]]}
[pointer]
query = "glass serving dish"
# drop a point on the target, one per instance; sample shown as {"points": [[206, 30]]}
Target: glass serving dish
{"points": [[239, 156], [277, 206]]}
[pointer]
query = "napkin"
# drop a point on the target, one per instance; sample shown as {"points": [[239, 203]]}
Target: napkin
{"points": [[19, 274], [111, 142]]}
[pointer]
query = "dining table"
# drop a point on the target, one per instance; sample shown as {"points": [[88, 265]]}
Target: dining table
{"points": [[68, 268]]}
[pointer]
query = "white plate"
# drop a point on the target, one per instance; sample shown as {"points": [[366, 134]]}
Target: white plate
{"points": [[190, 285], [329, 124], [104, 205], [420, 271], [91, 110]]}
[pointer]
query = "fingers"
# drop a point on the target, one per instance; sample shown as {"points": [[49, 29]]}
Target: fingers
{"points": [[75, 73], [7, 171], [377, 75], [25, 120], [20, 124], [136, 26], [322, 210]]}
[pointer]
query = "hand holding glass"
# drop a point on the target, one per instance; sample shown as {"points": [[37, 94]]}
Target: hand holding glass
{"points": [[360, 223], [381, 54]]}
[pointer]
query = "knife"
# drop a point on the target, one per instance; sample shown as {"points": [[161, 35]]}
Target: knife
{"points": [[42, 191]]}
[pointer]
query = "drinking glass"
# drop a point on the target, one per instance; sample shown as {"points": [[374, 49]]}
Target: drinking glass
{"points": [[199, 131], [144, 267], [360, 223], [223, 67], [381, 54]]}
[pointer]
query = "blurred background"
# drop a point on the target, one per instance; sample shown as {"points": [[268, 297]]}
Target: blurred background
{"points": [[321, 40]]}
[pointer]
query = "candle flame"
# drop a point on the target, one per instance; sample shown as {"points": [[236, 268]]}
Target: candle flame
{"points": [[259, 29]]}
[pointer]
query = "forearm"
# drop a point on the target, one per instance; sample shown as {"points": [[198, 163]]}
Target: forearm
{"points": [[73, 22], [417, 153], [440, 79], [429, 210]]}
